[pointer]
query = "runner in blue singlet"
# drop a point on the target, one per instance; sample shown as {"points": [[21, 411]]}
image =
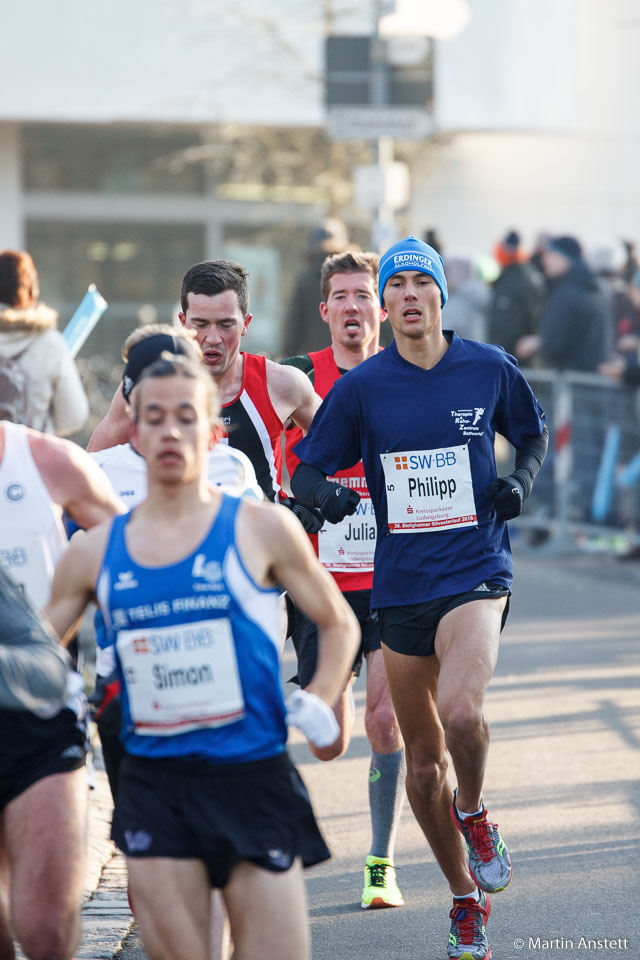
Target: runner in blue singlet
{"points": [[187, 584]]}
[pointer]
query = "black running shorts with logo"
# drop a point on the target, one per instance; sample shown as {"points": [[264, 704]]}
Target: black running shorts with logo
{"points": [[32, 748], [412, 629], [305, 637], [187, 808]]}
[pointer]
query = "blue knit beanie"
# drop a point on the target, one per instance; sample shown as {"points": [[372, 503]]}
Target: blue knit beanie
{"points": [[412, 254]]}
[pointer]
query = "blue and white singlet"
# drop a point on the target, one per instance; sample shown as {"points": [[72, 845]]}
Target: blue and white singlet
{"points": [[196, 647]]}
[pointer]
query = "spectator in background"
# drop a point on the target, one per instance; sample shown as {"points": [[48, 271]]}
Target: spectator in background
{"points": [[517, 298], [468, 298], [39, 384], [432, 237], [629, 326], [302, 332], [632, 264], [607, 257], [572, 330], [625, 364], [537, 254]]}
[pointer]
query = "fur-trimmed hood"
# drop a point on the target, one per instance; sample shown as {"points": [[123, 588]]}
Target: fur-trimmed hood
{"points": [[19, 326], [27, 319]]}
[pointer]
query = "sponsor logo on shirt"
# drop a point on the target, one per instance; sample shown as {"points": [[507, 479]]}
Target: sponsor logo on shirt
{"points": [[469, 421], [125, 581], [13, 558], [14, 492], [207, 570], [163, 608]]}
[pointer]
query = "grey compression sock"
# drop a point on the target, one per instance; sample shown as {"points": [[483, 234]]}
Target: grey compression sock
{"points": [[387, 775]]}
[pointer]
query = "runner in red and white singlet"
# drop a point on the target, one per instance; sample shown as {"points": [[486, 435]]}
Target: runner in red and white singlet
{"points": [[258, 396]]}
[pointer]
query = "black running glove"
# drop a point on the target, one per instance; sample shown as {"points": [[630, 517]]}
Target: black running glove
{"points": [[335, 502], [311, 519], [338, 502], [507, 495]]}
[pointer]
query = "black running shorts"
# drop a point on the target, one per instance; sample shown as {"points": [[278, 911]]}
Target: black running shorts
{"points": [[305, 637], [412, 629], [187, 808], [32, 748]]}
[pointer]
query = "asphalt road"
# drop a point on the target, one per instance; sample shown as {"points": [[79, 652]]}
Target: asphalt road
{"points": [[563, 782]]}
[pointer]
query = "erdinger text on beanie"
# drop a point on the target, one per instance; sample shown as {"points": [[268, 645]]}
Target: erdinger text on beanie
{"points": [[412, 254]]}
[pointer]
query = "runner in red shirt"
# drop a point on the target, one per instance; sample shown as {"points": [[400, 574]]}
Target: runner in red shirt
{"points": [[257, 395]]}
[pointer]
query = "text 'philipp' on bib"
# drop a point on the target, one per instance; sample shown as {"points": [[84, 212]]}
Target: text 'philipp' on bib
{"points": [[429, 490]]}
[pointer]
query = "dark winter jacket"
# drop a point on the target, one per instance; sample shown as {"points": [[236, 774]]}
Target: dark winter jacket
{"points": [[516, 305], [573, 327]]}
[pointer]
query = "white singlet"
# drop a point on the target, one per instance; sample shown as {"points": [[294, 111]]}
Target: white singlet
{"points": [[227, 468], [32, 536]]}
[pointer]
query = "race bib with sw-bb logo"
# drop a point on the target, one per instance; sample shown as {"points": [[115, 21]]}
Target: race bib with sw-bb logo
{"points": [[429, 490]]}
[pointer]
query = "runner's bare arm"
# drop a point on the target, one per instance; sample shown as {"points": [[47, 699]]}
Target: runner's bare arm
{"points": [[74, 480], [74, 580], [292, 394], [114, 428], [276, 550]]}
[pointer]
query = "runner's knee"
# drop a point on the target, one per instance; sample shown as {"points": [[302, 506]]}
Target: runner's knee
{"points": [[50, 938], [382, 728], [427, 775], [462, 721]]}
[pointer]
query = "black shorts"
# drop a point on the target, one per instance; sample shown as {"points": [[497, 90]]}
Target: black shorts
{"points": [[187, 808], [305, 637], [32, 748], [412, 629], [108, 724]]}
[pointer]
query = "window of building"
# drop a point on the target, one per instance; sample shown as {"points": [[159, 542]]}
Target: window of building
{"points": [[138, 268], [111, 159]]}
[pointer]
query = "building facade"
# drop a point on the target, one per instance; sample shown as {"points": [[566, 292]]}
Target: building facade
{"points": [[141, 137]]}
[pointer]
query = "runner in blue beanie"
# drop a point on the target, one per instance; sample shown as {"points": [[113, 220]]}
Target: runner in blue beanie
{"points": [[412, 254]]}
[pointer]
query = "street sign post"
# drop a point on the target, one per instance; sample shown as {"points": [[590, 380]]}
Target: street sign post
{"points": [[370, 123], [379, 90]]}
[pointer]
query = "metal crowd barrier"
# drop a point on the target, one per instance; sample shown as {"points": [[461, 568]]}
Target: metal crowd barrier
{"points": [[589, 486]]}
